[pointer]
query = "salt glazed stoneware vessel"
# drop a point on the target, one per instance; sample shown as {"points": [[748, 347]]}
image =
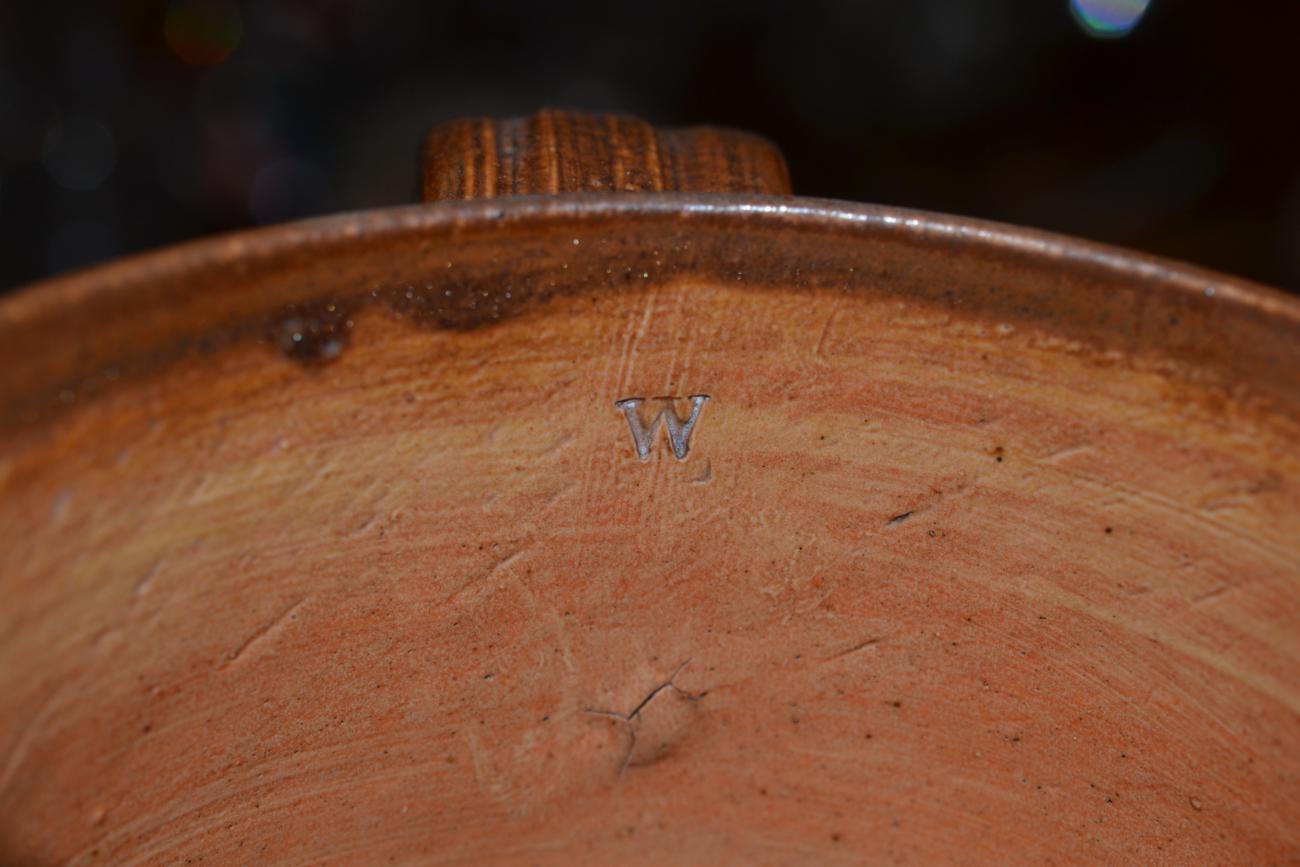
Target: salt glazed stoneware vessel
{"points": [[615, 506]]}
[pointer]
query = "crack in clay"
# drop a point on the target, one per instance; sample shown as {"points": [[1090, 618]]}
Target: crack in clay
{"points": [[628, 718]]}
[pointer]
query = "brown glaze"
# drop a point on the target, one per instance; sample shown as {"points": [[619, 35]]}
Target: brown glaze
{"points": [[986, 548], [470, 265], [554, 152]]}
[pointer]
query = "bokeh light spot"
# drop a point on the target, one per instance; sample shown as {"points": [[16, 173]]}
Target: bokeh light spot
{"points": [[1108, 19], [203, 32]]}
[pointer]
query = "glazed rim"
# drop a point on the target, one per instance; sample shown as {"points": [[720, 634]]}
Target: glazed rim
{"points": [[464, 265]]}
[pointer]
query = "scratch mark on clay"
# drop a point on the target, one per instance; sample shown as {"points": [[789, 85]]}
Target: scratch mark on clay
{"points": [[266, 633], [1191, 516], [146, 580], [497, 567], [504, 563], [1065, 454], [1225, 504], [366, 524], [630, 350], [59, 508], [1211, 594], [861, 645], [671, 366], [705, 477], [36, 726], [541, 605], [820, 348], [942, 490], [805, 608], [788, 575], [563, 440], [558, 495], [488, 779]]}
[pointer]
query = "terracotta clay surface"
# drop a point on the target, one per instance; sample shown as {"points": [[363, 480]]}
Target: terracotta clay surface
{"points": [[333, 546]]}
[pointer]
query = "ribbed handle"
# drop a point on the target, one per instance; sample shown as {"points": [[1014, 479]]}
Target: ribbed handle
{"points": [[555, 152]]}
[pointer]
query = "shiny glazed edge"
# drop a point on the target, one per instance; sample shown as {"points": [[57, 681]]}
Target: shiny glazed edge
{"points": [[498, 258]]}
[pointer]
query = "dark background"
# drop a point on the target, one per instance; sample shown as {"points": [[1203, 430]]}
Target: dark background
{"points": [[128, 125]]}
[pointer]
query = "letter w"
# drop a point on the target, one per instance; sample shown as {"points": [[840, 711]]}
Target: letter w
{"points": [[679, 432]]}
